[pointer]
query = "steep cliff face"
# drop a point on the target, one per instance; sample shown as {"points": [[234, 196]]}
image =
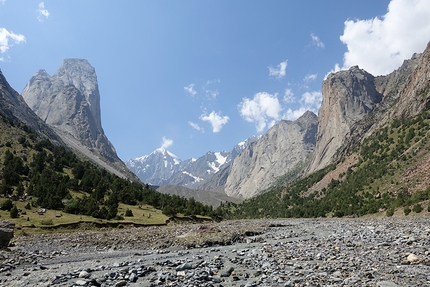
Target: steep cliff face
{"points": [[415, 96], [13, 106], [69, 102], [348, 96], [273, 155]]}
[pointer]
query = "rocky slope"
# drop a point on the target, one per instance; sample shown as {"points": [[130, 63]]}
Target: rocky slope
{"points": [[341, 127], [69, 102], [348, 96], [274, 154], [13, 106]]}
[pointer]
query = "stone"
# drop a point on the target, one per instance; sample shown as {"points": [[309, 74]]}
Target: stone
{"points": [[6, 232], [84, 274], [412, 258], [258, 165]]}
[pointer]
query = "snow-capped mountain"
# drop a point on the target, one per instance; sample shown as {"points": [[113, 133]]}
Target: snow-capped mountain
{"points": [[156, 167], [162, 167]]}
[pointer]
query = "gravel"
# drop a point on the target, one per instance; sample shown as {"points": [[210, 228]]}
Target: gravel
{"points": [[383, 252]]}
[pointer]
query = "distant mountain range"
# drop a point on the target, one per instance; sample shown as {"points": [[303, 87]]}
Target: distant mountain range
{"points": [[162, 167]]}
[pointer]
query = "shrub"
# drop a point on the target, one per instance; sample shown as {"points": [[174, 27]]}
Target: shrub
{"points": [[417, 208], [7, 205], [14, 213], [128, 212], [407, 210], [390, 212]]}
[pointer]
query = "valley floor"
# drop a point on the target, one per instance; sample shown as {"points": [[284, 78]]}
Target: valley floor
{"points": [[384, 252]]}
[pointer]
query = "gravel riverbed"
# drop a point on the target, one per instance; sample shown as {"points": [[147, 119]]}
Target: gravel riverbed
{"points": [[383, 252]]}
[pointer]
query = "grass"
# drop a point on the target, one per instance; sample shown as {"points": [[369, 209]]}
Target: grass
{"points": [[53, 221]]}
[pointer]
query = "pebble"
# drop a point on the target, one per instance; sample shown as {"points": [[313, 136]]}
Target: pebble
{"points": [[382, 252]]}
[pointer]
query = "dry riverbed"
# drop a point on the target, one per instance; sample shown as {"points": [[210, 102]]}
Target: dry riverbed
{"points": [[384, 252]]}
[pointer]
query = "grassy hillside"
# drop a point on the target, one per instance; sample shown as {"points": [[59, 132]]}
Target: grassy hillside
{"points": [[44, 185], [387, 172]]}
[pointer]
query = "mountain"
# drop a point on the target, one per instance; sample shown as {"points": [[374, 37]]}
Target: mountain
{"points": [[69, 102], [155, 167], [162, 167], [13, 106], [372, 150], [279, 150]]}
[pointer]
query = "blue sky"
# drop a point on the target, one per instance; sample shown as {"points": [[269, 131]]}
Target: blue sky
{"points": [[197, 76]]}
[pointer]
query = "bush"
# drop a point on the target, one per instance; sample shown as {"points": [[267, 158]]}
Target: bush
{"points": [[7, 205], [407, 210], [14, 213], [417, 208], [128, 213], [390, 212]]}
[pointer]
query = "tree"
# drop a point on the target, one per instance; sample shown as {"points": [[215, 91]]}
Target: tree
{"points": [[7, 205], [14, 213]]}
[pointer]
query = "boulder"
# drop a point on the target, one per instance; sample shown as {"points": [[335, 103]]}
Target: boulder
{"points": [[6, 232]]}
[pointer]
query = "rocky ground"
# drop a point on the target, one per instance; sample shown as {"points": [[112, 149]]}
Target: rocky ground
{"points": [[289, 252]]}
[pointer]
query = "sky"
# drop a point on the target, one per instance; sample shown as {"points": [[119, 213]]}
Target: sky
{"points": [[195, 76]]}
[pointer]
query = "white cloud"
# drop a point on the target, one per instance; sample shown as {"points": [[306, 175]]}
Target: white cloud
{"points": [[312, 99], [289, 96], [310, 77], [380, 45], [211, 94], [166, 143], [280, 70], [335, 69], [316, 41], [263, 110], [196, 126], [2, 1], [216, 120], [8, 39], [293, 115], [190, 90], [42, 12]]}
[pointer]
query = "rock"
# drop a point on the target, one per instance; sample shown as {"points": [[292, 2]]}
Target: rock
{"points": [[348, 96], [121, 283], [84, 274], [386, 284], [81, 283], [184, 266], [412, 258], [69, 102], [6, 232], [258, 165]]}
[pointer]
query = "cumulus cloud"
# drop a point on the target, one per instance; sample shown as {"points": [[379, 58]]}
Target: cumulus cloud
{"points": [[216, 120], [293, 115], [289, 96], [280, 70], [166, 143], [309, 101], [316, 41], [263, 110], [312, 99], [8, 39], [42, 13], [196, 126], [380, 45], [190, 90]]}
